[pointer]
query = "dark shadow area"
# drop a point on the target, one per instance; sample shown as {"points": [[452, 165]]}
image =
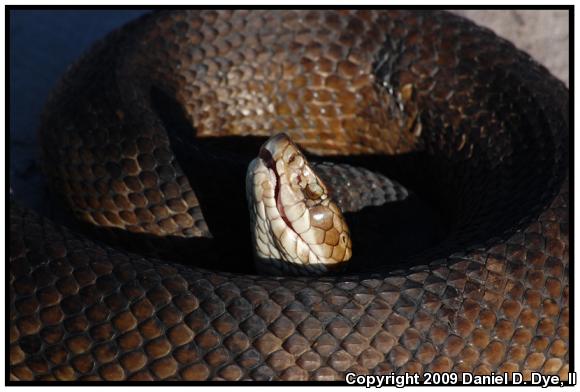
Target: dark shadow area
{"points": [[450, 210], [456, 205], [216, 168]]}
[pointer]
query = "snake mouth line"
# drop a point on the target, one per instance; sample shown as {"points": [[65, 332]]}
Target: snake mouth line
{"points": [[266, 156]]}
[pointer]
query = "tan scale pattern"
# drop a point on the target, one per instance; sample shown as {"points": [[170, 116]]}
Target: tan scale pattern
{"points": [[83, 311], [234, 73], [308, 74], [490, 123]]}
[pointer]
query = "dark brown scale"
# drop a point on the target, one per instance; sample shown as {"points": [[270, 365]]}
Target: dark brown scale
{"points": [[467, 120], [357, 188]]}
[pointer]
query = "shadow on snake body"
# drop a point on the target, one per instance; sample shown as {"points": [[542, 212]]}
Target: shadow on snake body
{"points": [[393, 236]]}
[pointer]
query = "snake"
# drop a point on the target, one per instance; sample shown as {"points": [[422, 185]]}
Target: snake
{"points": [[474, 127]]}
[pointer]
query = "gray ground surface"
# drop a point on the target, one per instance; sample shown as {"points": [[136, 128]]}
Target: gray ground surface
{"points": [[543, 34], [44, 43]]}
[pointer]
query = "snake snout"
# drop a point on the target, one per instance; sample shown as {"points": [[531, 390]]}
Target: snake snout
{"points": [[275, 145]]}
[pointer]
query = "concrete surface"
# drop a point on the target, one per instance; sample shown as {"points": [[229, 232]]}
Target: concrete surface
{"points": [[543, 34]]}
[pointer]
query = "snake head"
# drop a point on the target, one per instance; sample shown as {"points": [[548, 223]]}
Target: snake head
{"points": [[296, 227]]}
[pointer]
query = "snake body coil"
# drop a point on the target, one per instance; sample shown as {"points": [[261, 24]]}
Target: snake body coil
{"points": [[481, 131]]}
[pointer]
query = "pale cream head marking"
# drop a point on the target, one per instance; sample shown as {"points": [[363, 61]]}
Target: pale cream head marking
{"points": [[295, 225]]}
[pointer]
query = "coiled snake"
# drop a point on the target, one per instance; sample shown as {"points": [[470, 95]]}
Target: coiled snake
{"points": [[469, 123]]}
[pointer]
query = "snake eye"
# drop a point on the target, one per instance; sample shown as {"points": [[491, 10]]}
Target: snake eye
{"points": [[313, 191]]}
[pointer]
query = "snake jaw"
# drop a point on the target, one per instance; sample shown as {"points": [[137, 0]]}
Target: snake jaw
{"points": [[267, 157], [295, 225]]}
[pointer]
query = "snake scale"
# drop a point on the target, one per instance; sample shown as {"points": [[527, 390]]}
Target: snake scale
{"points": [[475, 126]]}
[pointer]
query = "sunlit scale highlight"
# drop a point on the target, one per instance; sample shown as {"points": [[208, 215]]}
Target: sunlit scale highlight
{"points": [[295, 226]]}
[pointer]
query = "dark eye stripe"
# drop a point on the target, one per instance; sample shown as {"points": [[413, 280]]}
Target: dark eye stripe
{"points": [[314, 195]]}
